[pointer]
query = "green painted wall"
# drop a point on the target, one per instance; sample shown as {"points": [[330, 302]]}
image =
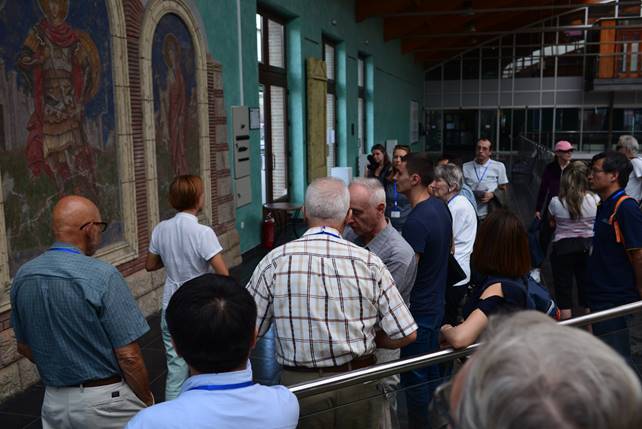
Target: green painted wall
{"points": [[394, 78]]}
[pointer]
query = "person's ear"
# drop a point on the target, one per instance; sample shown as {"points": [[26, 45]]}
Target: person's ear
{"points": [[381, 207]]}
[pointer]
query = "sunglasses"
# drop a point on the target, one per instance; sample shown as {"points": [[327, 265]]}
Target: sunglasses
{"points": [[101, 225]]}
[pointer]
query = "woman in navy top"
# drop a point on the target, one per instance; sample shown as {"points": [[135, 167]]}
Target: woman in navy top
{"points": [[501, 259]]}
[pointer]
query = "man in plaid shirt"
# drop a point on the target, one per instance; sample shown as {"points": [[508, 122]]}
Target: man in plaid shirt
{"points": [[332, 303]]}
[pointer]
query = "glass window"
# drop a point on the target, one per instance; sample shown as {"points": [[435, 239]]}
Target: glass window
{"points": [[452, 69], [567, 125], [259, 37], [328, 57], [434, 74], [276, 44], [567, 120], [434, 128], [360, 72], [470, 68], [547, 127], [532, 124], [519, 125], [488, 124]]}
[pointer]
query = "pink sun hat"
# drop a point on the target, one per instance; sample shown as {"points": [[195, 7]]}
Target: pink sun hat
{"points": [[563, 146]]}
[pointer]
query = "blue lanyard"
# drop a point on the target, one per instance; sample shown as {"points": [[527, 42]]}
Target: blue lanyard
{"points": [[63, 249], [394, 184], [616, 195], [452, 198], [483, 174], [323, 232], [212, 387]]}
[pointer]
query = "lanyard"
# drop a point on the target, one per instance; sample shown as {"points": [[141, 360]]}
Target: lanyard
{"points": [[395, 195], [616, 195], [63, 249], [452, 198], [322, 232], [212, 387], [479, 179]]}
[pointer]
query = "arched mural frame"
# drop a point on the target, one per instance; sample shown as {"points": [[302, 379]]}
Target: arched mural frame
{"points": [[126, 249], [155, 10]]}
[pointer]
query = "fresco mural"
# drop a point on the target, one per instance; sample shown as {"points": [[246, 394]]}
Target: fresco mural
{"points": [[175, 106], [57, 117]]}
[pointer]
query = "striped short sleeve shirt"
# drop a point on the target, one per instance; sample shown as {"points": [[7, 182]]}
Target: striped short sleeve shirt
{"points": [[326, 297]]}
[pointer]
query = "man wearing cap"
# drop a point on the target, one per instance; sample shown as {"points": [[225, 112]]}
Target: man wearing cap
{"points": [[486, 177]]}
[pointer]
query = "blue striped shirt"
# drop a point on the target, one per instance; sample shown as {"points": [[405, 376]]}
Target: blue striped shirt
{"points": [[72, 311]]}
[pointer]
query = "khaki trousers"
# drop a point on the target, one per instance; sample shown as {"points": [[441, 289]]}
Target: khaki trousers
{"points": [[353, 407], [105, 407]]}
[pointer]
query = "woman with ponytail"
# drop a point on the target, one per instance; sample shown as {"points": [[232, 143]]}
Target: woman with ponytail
{"points": [[572, 214]]}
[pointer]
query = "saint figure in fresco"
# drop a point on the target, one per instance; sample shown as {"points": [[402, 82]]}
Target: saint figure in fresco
{"points": [[62, 66], [176, 104]]}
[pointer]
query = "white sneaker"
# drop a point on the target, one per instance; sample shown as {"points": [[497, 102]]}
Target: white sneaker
{"points": [[535, 274]]}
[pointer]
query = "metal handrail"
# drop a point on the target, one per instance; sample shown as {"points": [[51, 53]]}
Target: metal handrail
{"points": [[377, 372]]}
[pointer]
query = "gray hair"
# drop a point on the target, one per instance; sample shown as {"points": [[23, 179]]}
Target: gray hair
{"points": [[451, 174], [532, 373], [327, 198], [629, 143], [374, 186]]}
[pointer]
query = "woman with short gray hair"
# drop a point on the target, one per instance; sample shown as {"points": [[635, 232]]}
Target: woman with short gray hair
{"points": [[628, 145], [532, 373], [447, 186]]}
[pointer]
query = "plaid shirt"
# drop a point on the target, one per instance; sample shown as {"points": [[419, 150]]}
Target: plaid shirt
{"points": [[327, 297]]}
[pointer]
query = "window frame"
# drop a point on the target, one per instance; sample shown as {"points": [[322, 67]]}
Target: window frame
{"points": [[269, 76]]}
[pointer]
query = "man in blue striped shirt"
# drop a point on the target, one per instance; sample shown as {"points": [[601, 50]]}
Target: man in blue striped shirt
{"points": [[76, 319]]}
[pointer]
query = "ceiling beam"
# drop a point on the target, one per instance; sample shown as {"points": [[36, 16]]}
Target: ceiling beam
{"points": [[479, 11]]}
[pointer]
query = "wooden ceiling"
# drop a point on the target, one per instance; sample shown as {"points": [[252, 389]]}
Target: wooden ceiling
{"points": [[435, 30]]}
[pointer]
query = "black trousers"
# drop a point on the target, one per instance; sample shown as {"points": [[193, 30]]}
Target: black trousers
{"points": [[569, 266]]}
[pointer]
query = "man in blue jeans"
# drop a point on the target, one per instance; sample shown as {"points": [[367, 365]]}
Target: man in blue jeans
{"points": [[615, 262], [428, 230]]}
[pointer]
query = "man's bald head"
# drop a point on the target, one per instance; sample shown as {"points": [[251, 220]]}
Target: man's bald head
{"points": [[69, 214]]}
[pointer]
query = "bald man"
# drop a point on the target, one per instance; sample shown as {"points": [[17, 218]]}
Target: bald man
{"points": [[76, 319]]}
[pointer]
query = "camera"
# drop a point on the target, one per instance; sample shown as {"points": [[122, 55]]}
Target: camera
{"points": [[372, 164]]}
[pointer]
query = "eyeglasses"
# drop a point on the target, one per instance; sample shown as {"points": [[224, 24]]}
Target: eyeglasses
{"points": [[566, 151], [596, 170], [101, 225], [441, 402]]}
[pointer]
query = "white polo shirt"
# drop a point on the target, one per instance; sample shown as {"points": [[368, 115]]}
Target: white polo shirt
{"points": [[186, 247], [464, 232], [634, 187], [487, 177]]}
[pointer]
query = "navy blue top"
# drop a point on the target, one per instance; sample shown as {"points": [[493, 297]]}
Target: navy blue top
{"points": [[73, 311], [611, 276], [514, 298], [428, 230]]}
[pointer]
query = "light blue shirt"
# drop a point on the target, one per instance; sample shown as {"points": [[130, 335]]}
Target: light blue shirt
{"points": [[248, 407]]}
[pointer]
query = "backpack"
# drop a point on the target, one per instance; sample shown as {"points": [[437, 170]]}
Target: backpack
{"points": [[537, 296], [613, 221]]}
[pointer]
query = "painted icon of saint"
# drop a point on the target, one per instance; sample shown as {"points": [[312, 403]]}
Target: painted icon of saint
{"points": [[62, 66], [176, 104]]}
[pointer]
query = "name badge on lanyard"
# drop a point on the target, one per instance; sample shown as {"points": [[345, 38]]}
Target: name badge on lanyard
{"points": [[395, 212]]}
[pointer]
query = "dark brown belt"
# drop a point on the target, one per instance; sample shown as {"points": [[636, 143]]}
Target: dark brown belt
{"points": [[99, 382], [360, 362]]}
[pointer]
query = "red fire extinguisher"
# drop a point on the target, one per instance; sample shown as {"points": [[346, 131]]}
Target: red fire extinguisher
{"points": [[268, 232]]}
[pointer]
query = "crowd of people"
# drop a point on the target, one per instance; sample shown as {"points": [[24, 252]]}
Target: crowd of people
{"points": [[414, 257]]}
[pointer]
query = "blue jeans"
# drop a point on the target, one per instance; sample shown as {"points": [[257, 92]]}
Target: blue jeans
{"points": [[177, 369], [426, 379]]}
